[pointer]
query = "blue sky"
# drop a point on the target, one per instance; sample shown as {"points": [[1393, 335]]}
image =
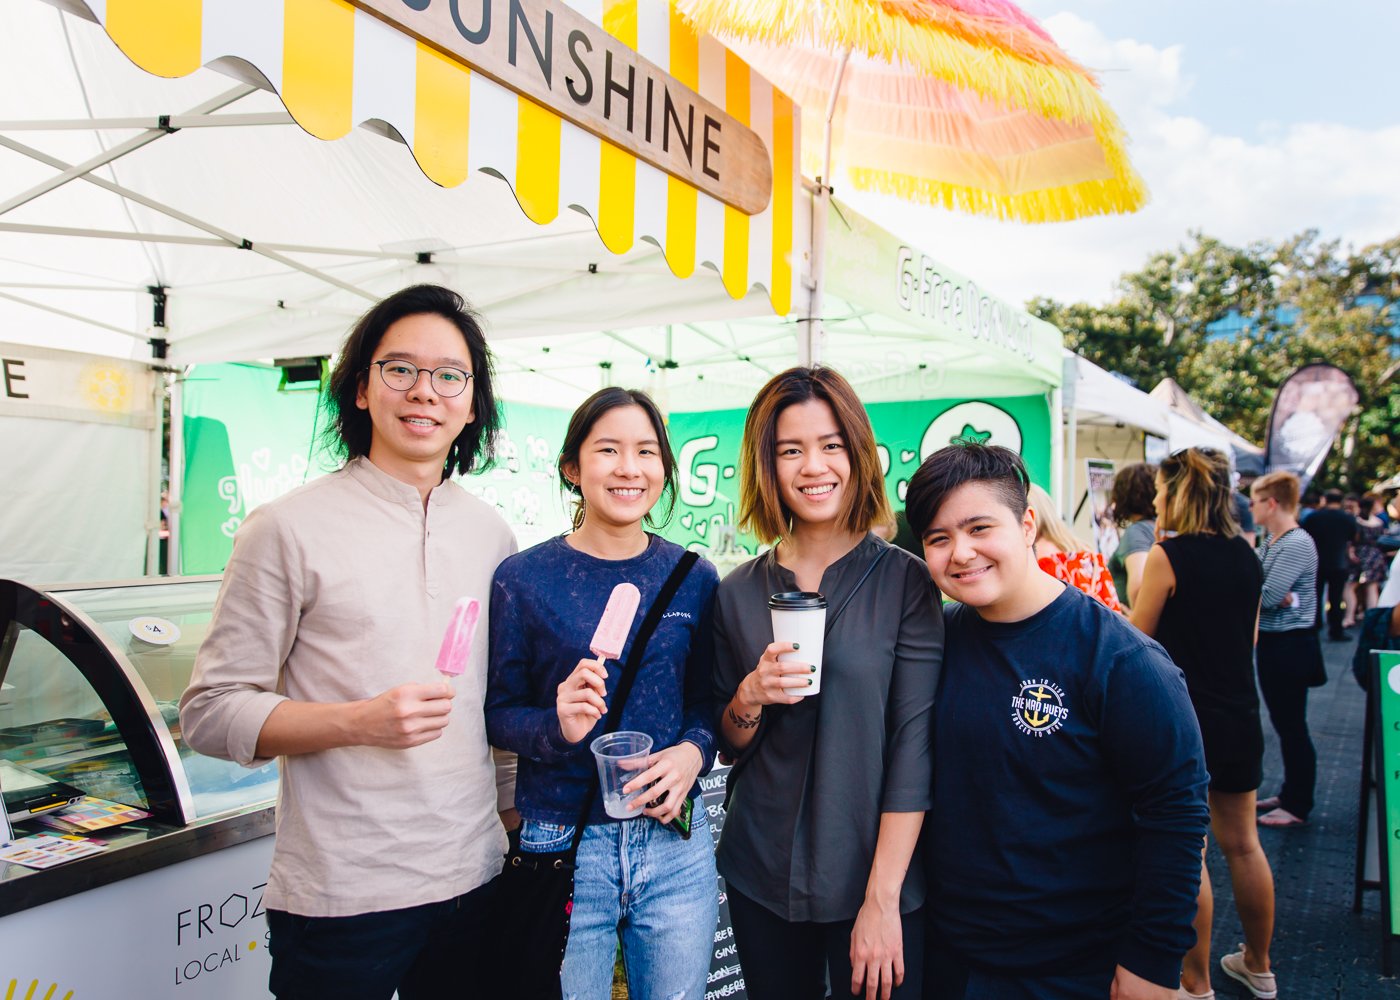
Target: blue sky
{"points": [[1256, 63], [1249, 120]]}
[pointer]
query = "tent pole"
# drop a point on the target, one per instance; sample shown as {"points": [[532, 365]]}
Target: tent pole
{"points": [[69, 173], [176, 493], [153, 476], [189, 220], [810, 349]]}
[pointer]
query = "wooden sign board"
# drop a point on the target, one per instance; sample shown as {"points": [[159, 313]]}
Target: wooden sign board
{"points": [[548, 52]]}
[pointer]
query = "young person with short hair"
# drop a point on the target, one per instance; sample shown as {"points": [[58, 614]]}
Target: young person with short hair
{"points": [[1064, 841], [321, 653], [637, 879], [829, 793], [1289, 654]]}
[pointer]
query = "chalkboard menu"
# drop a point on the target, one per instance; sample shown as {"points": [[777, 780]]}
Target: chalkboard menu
{"points": [[726, 979]]}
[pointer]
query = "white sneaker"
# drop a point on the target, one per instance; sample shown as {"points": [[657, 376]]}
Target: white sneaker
{"points": [[1182, 993], [1262, 985]]}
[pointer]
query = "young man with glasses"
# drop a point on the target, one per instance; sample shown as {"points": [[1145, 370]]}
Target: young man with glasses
{"points": [[321, 653]]}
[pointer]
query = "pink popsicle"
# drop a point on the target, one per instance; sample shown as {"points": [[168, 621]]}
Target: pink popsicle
{"points": [[616, 622], [457, 640]]}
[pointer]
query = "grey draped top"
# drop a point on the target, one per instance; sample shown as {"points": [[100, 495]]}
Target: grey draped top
{"points": [[804, 812]]}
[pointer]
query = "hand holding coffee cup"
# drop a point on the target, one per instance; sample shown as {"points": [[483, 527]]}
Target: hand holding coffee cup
{"points": [[775, 681]]}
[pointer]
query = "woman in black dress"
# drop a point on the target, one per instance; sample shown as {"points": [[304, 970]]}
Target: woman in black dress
{"points": [[1200, 599]]}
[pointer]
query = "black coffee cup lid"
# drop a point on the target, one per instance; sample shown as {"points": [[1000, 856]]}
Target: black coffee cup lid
{"points": [[797, 600]]}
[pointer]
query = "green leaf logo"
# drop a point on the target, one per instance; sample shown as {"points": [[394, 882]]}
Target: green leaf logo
{"points": [[971, 435]]}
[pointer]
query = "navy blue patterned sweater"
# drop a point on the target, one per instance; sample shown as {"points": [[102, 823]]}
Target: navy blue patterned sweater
{"points": [[1069, 796], [545, 605]]}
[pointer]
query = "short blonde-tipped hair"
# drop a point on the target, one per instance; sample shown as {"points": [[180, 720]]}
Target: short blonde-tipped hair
{"points": [[761, 507], [1282, 487]]}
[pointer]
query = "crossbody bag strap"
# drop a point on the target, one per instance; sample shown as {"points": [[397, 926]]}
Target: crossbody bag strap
{"points": [[631, 667]]}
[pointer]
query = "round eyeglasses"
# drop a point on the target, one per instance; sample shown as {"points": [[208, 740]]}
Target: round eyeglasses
{"points": [[403, 375]]}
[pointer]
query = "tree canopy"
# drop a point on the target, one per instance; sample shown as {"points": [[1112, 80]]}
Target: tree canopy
{"points": [[1231, 323]]}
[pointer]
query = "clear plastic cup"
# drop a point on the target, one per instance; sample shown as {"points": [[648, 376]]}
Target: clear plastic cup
{"points": [[620, 756]]}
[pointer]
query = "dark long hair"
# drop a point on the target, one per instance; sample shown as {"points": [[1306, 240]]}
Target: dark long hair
{"points": [[348, 428], [589, 412]]}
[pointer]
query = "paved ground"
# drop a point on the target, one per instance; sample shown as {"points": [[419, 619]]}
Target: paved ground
{"points": [[1322, 950]]}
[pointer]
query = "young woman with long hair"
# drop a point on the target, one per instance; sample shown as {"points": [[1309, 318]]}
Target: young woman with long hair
{"points": [[636, 878], [829, 792], [1200, 599]]}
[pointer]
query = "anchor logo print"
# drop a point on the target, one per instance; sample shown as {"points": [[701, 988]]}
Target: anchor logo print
{"points": [[1039, 708]]}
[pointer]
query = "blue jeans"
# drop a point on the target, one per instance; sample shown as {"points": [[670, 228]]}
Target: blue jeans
{"points": [[644, 881]]}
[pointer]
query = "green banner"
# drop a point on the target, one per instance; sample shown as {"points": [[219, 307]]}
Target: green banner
{"points": [[1387, 695], [707, 456], [247, 442]]}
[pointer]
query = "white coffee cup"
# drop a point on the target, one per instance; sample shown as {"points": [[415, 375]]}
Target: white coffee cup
{"points": [[800, 617]]}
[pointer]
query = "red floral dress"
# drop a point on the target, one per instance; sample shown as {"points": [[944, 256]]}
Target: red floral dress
{"points": [[1084, 571]]}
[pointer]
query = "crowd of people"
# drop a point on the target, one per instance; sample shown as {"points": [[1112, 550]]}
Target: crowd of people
{"points": [[1001, 798]]}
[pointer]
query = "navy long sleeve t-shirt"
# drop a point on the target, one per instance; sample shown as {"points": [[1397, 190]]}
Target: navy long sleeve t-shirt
{"points": [[1069, 795], [545, 605]]}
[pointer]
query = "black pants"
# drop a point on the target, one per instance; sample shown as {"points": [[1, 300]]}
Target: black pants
{"points": [[422, 951], [1286, 664], [790, 961], [1332, 581], [948, 977]]}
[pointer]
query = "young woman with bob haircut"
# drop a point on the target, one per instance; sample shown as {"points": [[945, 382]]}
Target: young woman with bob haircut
{"points": [[829, 792], [638, 879], [1290, 656], [1200, 597]]}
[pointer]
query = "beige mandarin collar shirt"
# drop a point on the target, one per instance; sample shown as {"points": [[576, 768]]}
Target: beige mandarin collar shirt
{"points": [[336, 592]]}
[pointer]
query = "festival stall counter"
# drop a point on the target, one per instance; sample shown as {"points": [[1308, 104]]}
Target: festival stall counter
{"points": [[92, 676]]}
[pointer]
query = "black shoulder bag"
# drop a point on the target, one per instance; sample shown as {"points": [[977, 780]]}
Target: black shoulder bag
{"points": [[536, 890]]}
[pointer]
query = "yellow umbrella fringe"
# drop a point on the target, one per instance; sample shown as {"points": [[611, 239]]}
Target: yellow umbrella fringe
{"points": [[1120, 195], [993, 73]]}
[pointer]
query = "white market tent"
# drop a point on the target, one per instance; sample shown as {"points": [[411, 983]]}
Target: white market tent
{"points": [[197, 212], [1104, 418], [1193, 427]]}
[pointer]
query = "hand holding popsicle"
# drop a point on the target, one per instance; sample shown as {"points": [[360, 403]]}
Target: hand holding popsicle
{"points": [[581, 699], [580, 702]]}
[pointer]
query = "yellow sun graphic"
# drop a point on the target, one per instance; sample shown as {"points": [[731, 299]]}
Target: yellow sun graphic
{"points": [[106, 387]]}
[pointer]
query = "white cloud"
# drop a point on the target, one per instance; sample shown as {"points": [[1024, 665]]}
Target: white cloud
{"points": [[1258, 184]]}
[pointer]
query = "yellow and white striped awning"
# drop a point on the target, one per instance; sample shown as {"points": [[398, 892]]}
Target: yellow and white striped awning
{"points": [[335, 66]]}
